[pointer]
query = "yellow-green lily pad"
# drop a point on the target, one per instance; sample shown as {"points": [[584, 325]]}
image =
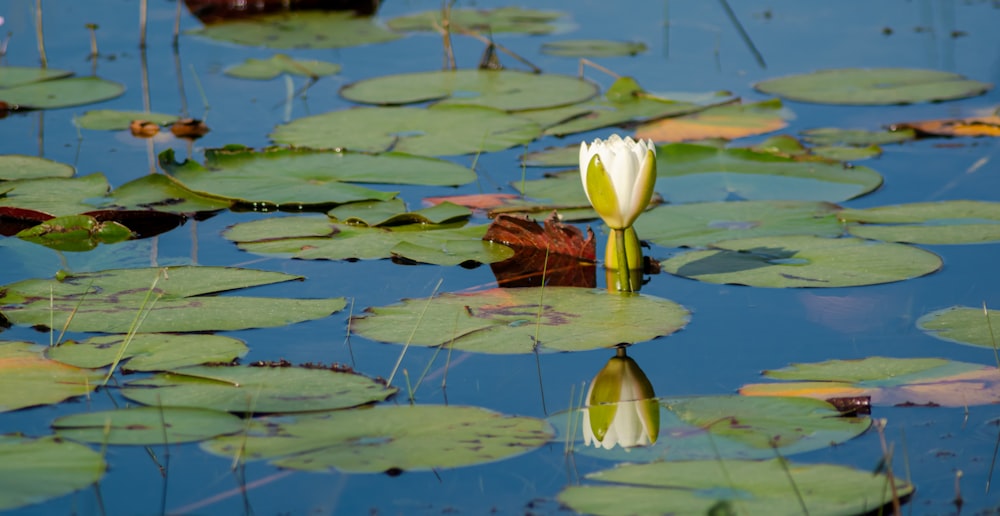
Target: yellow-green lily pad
{"points": [[61, 93], [856, 137], [300, 29], [27, 378], [148, 351], [75, 233], [16, 166], [278, 64], [35, 470], [147, 426], [873, 86], [56, 196], [503, 19], [964, 325], [18, 75], [934, 223], [163, 193]]}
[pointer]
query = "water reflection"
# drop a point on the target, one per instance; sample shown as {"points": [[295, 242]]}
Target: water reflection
{"points": [[621, 408]]}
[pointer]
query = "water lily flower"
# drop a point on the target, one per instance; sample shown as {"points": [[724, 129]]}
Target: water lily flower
{"points": [[622, 410]]}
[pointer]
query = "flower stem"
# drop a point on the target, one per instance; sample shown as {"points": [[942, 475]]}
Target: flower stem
{"points": [[624, 282]]}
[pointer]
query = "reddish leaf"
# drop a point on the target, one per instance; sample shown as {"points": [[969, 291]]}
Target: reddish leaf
{"points": [[475, 201], [555, 253], [14, 220], [972, 126]]}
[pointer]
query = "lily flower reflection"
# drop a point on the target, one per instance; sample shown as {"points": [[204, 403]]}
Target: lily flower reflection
{"points": [[621, 406]]}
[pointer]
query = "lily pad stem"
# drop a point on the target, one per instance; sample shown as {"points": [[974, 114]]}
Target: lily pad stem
{"points": [[624, 282]]}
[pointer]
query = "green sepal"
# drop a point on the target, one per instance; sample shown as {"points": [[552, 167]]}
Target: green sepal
{"points": [[601, 191]]}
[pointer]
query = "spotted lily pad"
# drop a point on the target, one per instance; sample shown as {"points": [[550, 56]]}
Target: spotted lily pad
{"points": [[504, 19], [169, 299], [733, 487], [873, 86], [435, 131], [700, 224], [147, 425], [300, 29], [19, 75], [148, 351], [27, 378], [57, 195], [506, 90], [61, 93], [35, 470], [112, 120], [521, 320], [803, 261], [264, 389], [75, 233], [944, 222], [593, 48], [278, 64], [16, 166], [964, 325], [387, 439]]}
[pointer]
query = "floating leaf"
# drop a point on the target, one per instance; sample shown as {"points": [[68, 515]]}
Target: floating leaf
{"points": [[963, 325], [887, 381], [504, 19], [19, 75], [16, 166], [263, 389], [506, 90], [147, 426], [278, 64], [55, 196], [970, 126], [35, 470], [393, 213], [112, 120], [942, 222], [803, 261], [728, 122], [506, 321], [856, 137], [847, 153], [873, 86], [387, 439], [592, 48], [733, 487], [169, 298], [61, 93], [554, 157], [148, 351], [300, 29], [163, 193], [435, 131], [28, 379], [553, 254], [474, 201], [700, 224], [75, 233]]}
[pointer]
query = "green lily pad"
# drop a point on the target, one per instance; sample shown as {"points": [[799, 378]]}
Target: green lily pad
{"points": [[634, 106], [148, 351], [393, 213], [506, 90], [505, 321], [16, 166], [278, 64], [75, 233], [729, 121], [839, 153], [169, 299], [27, 378], [386, 439], [504, 19], [300, 29], [873, 86], [163, 193], [312, 238], [35, 470], [60, 93], [147, 426], [943, 222], [700, 224], [733, 487], [803, 261], [963, 325], [554, 157], [435, 131], [856, 137], [593, 48], [19, 75], [263, 389], [56, 196], [112, 120]]}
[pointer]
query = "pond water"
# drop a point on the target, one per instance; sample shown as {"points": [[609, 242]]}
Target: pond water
{"points": [[735, 331]]}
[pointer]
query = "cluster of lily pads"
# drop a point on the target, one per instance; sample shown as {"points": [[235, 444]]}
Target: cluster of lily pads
{"points": [[763, 216]]}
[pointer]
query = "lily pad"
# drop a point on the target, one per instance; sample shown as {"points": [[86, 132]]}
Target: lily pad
{"points": [[147, 426], [263, 389], [593, 48], [856, 137], [506, 90], [75, 233], [55, 196], [387, 439], [167, 299], [887, 381], [803, 261], [163, 193], [522, 320], [112, 120], [730, 122], [839, 153], [35, 470], [554, 157], [16, 166], [312, 238], [19, 75], [278, 64], [943, 222], [733, 487], [873, 86], [435, 131], [148, 351], [393, 213], [964, 325], [700, 224], [60, 93], [504, 19], [27, 378], [300, 29]]}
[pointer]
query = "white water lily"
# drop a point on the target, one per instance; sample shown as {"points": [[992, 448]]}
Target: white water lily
{"points": [[622, 410], [618, 177]]}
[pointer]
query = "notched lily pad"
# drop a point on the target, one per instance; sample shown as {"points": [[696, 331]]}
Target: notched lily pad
{"points": [[61, 93], [113, 120], [504, 19], [147, 426], [873, 86], [278, 64], [262, 389], [300, 29], [35, 470], [803, 261], [593, 48], [16, 166], [27, 378], [386, 439], [55, 196], [943, 222], [148, 351], [964, 325]]}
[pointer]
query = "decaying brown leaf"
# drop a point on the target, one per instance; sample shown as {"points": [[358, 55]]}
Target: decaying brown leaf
{"points": [[189, 128], [971, 126], [143, 128], [554, 254]]}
